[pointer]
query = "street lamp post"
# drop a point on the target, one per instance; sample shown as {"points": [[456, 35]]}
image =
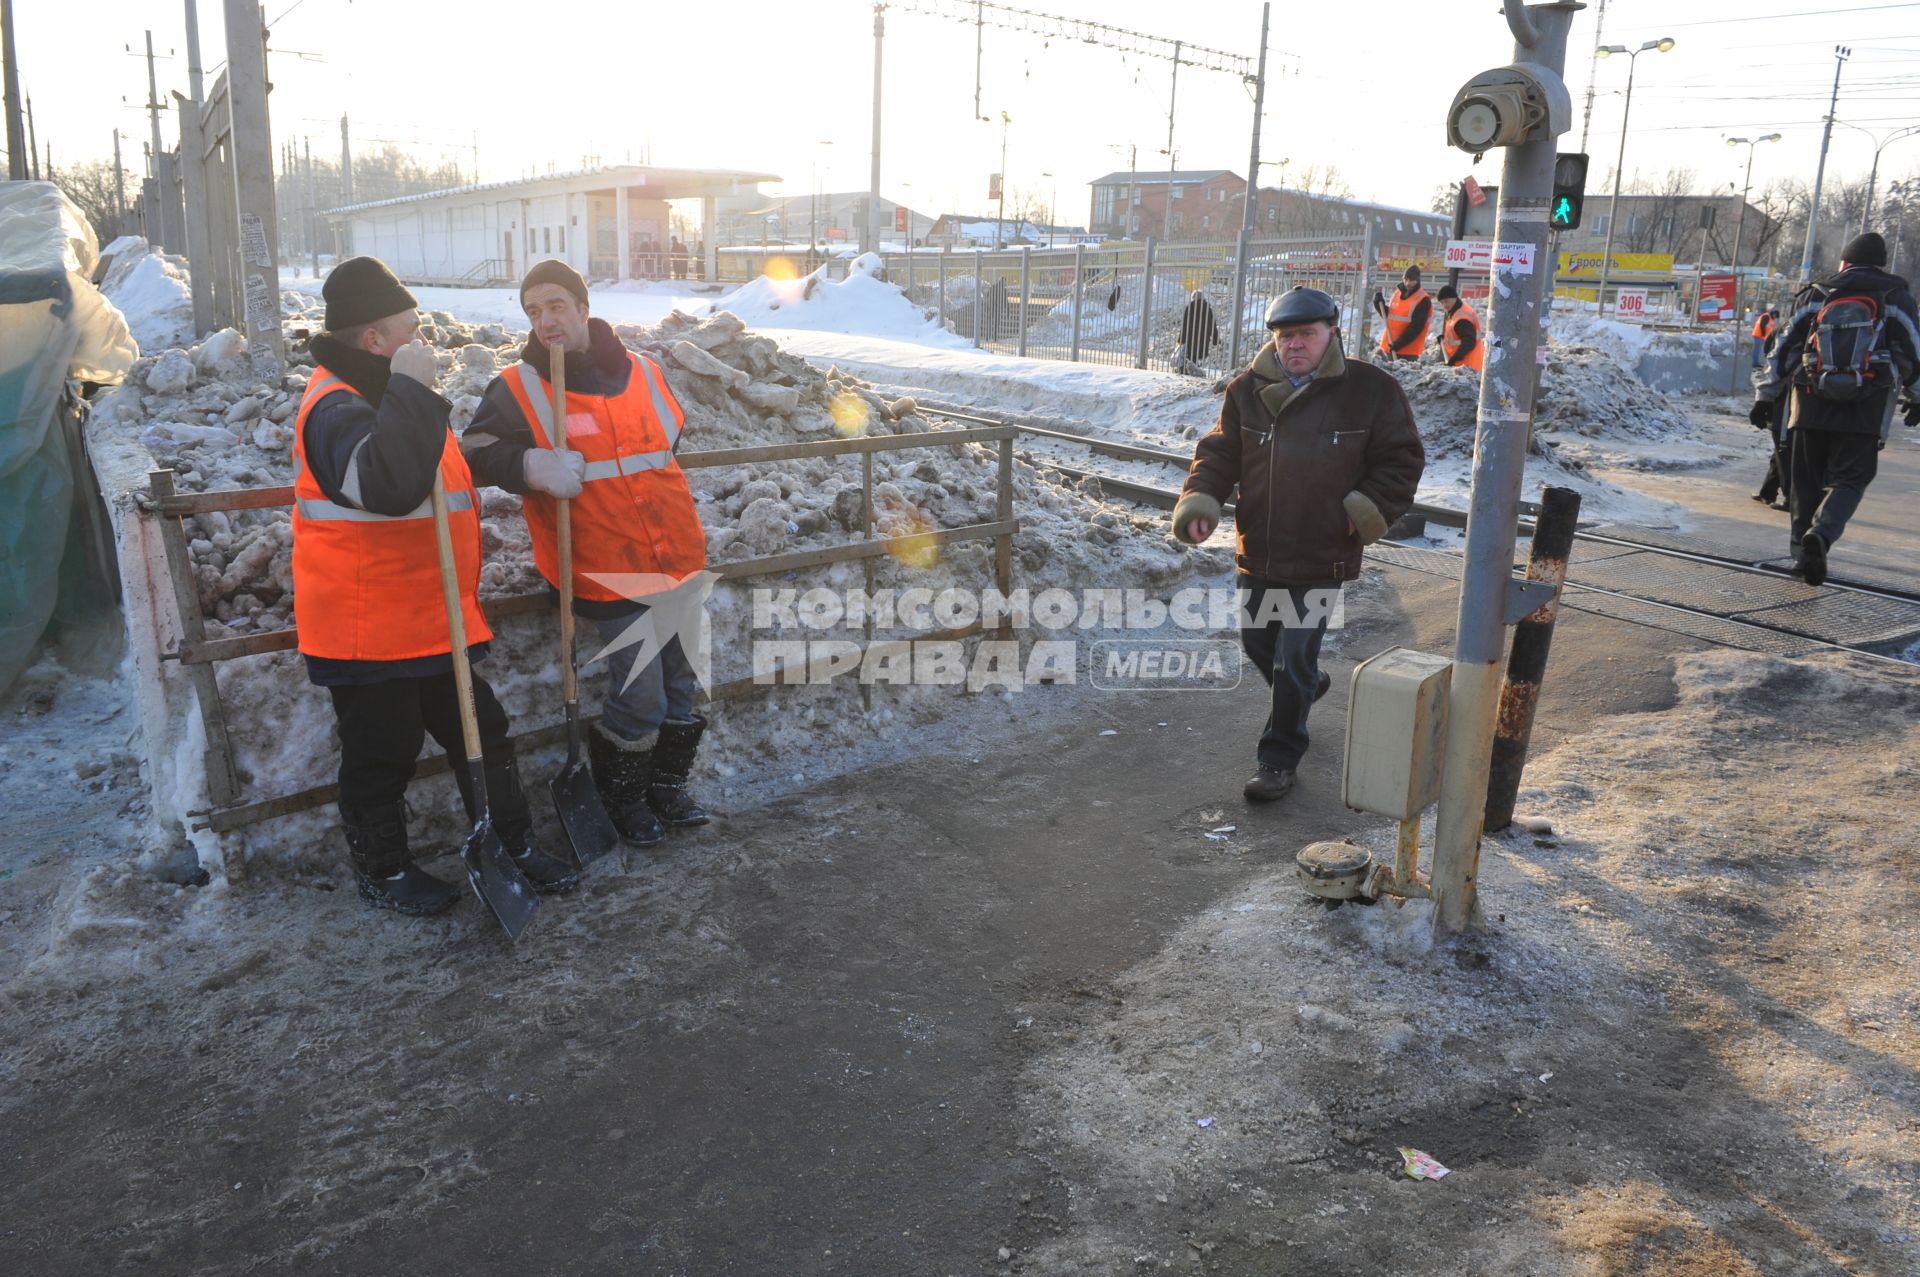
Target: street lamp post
{"points": [[1873, 175], [1053, 206], [1840, 55], [1663, 44], [1740, 214], [1000, 219], [1898, 193], [813, 203]]}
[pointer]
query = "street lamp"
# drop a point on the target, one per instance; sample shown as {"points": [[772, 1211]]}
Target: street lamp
{"points": [[1740, 214], [1873, 176], [1898, 193], [1663, 44], [1000, 220], [1053, 206], [813, 204]]}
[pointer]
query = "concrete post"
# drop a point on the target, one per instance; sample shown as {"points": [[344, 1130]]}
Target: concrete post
{"points": [[979, 296], [622, 233], [1840, 56], [1146, 306], [710, 231], [1362, 319], [1026, 293], [16, 126], [253, 186], [940, 276], [870, 225], [1499, 459], [1253, 193], [1079, 297], [193, 183]]}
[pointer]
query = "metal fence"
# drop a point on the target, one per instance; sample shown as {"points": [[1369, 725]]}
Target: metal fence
{"points": [[1168, 307]]}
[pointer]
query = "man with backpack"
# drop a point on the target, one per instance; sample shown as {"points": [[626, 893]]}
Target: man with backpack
{"points": [[1850, 344]]}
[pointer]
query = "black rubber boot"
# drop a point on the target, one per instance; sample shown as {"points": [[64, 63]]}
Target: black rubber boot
{"points": [[621, 771], [383, 865], [672, 763], [513, 822]]}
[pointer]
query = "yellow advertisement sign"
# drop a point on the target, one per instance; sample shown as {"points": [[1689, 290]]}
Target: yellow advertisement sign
{"points": [[1625, 265]]}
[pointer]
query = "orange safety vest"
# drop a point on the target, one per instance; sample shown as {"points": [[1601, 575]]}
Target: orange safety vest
{"points": [[1399, 317], [1763, 326], [1450, 338], [635, 513], [366, 586]]}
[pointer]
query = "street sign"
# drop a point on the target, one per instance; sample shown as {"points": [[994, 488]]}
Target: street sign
{"points": [[1484, 255], [993, 186], [1716, 297], [1632, 303], [1475, 196], [900, 218]]}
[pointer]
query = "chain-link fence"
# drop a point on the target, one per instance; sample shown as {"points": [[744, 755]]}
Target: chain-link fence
{"points": [[1168, 307]]}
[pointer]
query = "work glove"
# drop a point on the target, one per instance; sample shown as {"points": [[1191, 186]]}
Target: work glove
{"points": [[1195, 517], [1913, 413], [415, 360], [556, 472], [1761, 414]]}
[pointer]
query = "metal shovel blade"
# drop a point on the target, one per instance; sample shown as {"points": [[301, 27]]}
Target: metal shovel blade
{"points": [[589, 829], [497, 880]]}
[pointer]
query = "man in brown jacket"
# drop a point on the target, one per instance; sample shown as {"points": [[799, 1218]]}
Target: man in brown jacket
{"points": [[1326, 456]]}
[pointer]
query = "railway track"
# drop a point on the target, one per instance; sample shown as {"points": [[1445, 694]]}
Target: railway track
{"points": [[1647, 578]]}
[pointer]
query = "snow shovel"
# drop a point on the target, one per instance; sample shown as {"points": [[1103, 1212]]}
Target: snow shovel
{"points": [[589, 829], [495, 878]]}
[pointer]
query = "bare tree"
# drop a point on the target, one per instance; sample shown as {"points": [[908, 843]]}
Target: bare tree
{"points": [[92, 189]]}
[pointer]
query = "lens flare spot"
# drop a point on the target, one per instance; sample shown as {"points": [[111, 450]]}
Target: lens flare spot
{"points": [[914, 545], [779, 268], [851, 415]]}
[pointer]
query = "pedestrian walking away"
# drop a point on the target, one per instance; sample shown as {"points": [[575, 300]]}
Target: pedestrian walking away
{"points": [[1326, 456], [1408, 314], [633, 518], [370, 437], [1850, 347]]}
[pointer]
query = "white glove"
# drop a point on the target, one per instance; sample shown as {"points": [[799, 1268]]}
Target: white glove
{"points": [[556, 472], [416, 360]]}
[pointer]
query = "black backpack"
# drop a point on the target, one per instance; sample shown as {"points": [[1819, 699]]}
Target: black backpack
{"points": [[1845, 358]]}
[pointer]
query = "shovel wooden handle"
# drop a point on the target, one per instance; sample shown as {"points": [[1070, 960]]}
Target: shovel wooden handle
{"points": [[563, 521], [456, 628]]}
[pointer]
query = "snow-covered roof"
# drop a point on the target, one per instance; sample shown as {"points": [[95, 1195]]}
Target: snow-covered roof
{"points": [[659, 183], [1164, 177]]}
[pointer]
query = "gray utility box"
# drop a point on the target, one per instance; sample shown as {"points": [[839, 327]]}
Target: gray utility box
{"points": [[1396, 732]]}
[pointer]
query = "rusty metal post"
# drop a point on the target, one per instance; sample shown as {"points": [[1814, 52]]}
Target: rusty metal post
{"points": [[1003, 544], [1527, 661], [866, 534]]}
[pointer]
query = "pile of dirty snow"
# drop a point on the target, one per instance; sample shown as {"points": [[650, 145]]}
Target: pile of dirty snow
{"points": [[203, 412], [860, 303], [150, 288]]}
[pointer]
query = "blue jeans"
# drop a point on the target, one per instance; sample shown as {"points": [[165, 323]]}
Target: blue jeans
{"points": [[1759, 352], [663, 690], [1288, 657]]}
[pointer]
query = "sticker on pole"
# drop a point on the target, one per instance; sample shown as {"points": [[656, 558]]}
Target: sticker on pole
{"points": [[1487, 256], [1420, 1166]]}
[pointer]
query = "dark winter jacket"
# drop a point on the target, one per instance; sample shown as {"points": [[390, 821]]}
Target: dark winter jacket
{"points": [[376, 452], [1900, 335], [1343, 447], [1199, 332], [496, 441]]}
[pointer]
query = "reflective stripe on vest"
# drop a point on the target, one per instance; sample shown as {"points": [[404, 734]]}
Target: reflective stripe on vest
{"points": [[1450, 338], [540, 395]]}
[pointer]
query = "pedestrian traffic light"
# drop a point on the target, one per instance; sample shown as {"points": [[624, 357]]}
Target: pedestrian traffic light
{"points": [[1569, 191]]}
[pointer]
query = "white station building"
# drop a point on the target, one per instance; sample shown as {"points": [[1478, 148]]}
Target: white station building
{"points": [[489, 234]]}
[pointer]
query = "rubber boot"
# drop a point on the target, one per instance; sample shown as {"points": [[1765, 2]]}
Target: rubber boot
{"points": [[513, 823], [621, 771], [383, 865], [673, 757]]}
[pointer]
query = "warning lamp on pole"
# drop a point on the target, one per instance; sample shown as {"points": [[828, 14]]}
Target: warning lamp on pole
{"points": [[1569, 191]]}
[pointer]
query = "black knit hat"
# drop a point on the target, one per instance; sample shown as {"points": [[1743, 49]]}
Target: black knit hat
{"points": [[1867, 249], [555, 271], [361, 290], [1447, 292], [1413, 272]]}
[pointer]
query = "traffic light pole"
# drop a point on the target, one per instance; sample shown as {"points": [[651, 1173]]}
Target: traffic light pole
{"points": [[1490, 597]]}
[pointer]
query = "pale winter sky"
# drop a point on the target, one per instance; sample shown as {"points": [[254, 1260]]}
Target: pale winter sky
{"points": [[787, 88]]}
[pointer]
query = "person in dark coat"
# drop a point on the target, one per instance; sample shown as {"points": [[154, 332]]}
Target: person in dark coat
{"points": [[1199, 334], [1838, 430], [1326, 456]]}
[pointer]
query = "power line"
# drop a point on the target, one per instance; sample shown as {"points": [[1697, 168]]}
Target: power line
{"points": [[1770, 17]]}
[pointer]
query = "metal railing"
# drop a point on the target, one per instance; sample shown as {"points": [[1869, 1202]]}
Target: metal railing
{"points": [[197, 654], [1163, 306]]}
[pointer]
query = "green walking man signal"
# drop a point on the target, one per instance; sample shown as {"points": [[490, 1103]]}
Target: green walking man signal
{"points": [[1569, 190]]}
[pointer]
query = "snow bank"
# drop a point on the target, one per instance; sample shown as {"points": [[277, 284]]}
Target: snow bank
{"points": [[151, 289], [861, 303]]}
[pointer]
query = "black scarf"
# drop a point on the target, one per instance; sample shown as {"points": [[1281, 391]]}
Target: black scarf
{"points": [[604, 354], [366, 373]]}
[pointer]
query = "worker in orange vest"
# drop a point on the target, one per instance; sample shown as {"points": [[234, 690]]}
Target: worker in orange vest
{"points": [[369, 439], [1460, 341], [633, 518], [1763, 326], [1408, 313]]}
